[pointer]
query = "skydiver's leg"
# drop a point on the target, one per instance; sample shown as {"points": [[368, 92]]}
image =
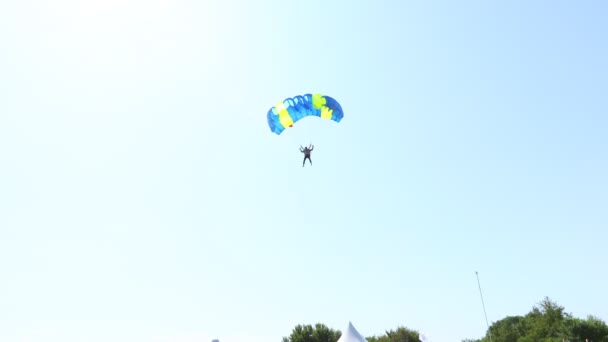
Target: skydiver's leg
{"points": [[304, 161]]}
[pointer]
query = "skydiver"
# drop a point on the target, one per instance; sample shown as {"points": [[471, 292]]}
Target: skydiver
{"points": [[306, 151]]}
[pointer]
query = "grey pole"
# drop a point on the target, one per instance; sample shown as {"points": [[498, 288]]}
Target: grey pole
{"points": [[483, 305]]}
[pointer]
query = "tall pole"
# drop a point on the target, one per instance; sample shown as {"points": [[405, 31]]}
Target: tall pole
{"points": [[484, 306]]}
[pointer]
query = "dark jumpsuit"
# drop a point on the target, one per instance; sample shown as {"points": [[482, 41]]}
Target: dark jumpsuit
{"points": [[306, 156]]}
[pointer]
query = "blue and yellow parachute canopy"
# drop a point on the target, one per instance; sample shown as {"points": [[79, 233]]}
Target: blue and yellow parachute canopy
{"points": [[285, 114]]}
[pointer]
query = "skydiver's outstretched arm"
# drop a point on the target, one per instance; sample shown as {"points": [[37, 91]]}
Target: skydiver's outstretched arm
{"points": [[301, 149]]}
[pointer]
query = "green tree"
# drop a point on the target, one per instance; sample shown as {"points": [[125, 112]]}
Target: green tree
{"points": [[308, 333], [402, 334], [509, 329], [592, 329], [546, 323]]}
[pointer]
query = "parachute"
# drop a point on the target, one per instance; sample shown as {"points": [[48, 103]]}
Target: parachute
{"points": [[285, 114]]}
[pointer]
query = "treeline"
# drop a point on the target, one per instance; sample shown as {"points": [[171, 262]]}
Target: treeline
{"points": [[321, 333], [546, 322]]}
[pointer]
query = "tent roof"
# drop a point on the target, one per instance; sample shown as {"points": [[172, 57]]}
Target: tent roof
{"points": [[351, 335]]}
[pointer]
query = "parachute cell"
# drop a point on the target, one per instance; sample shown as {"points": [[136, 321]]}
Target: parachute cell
{"points": [[291, 110]]}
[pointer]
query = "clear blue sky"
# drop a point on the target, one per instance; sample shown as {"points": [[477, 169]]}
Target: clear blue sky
{"points": [[144, 199]]}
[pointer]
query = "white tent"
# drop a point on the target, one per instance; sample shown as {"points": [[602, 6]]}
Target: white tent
{"points": [[351, 335]]}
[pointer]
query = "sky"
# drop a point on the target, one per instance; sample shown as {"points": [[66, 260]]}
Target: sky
{"points": [[143, 197]]}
